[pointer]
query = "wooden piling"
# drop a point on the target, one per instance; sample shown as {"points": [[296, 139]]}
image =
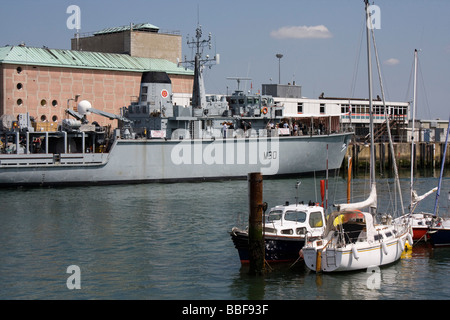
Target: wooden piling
{"points": [[255, 225]]}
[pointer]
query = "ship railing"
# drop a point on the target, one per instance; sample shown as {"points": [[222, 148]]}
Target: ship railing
{"points": [[24, 156], [83, 158], [51, 159], [26, 159], [240, 133]]}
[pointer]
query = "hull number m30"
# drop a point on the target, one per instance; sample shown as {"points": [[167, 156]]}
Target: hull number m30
{"points": [[270, 155]]}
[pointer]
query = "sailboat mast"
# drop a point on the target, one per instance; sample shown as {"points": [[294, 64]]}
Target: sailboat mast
{"points": [[369, 65], [413, 117], [442, 170]]}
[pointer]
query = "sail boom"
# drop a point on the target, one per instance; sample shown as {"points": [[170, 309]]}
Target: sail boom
{"points": [[371, 202]]}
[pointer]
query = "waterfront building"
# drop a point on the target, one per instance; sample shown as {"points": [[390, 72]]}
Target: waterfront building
{"points": [[43, 82], [353, 113], [136, 40]]}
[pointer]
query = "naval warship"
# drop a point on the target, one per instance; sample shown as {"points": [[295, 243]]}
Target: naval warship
{"points": [[157, 140]]}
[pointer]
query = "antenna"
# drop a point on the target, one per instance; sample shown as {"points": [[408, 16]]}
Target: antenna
{"points": [[296, 187], [198, 14], [198, 44], [238, 79], [199, 63]]}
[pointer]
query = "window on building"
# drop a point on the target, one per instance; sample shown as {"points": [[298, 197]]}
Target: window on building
{"points": [[299, 107], [344, 108], [322, 108], [377, 110]]}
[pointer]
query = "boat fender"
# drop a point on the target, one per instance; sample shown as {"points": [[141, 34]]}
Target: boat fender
{"points": [[264, 110], [355, 253], [318, 260], [410, 240], [407, 246], [401, 244], [384, 246]]}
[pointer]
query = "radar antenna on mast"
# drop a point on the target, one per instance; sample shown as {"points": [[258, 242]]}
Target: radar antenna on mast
{"points": [[238, 79], [199, 63]]}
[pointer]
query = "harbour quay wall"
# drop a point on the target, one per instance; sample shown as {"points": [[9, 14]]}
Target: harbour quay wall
{"points": [[426, 155]]}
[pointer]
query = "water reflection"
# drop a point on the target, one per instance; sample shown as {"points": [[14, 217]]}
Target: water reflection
{"points": [[404, 279]]}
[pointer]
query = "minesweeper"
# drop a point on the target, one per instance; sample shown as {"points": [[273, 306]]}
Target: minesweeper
{"points": [[157, 140]]}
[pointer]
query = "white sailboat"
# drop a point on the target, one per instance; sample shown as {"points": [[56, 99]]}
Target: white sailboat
{"points": [[419, 221], [352, 239], [440, 229]]}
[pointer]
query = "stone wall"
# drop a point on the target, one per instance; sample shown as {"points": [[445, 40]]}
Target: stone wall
{"points": [[44, 92]]}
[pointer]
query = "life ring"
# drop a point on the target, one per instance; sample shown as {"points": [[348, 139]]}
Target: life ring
{"points": [[265, 110]]}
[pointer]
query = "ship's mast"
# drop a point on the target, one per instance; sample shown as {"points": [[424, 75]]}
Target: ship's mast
{"points": [[198, 91]]}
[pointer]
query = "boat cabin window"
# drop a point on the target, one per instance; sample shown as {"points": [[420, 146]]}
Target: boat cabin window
{"points": [[297, 216], [274, 216], [315, 219]]}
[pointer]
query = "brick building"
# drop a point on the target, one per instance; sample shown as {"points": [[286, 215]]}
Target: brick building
{"points": [[44, 82], [137, 40]]}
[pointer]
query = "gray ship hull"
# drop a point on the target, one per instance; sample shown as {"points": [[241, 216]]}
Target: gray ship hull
{"points": [[159, 160]]}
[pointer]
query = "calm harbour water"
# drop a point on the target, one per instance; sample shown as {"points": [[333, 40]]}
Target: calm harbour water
{"points": [[171, 242]]}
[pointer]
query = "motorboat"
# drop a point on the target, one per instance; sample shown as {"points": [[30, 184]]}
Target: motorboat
{"points": [[285, 229]]}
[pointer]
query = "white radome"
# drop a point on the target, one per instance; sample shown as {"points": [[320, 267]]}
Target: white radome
{"points": [[84, 106]]}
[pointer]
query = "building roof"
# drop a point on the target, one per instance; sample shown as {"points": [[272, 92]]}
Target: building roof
{"points": [[137, 27], [86, 60]]}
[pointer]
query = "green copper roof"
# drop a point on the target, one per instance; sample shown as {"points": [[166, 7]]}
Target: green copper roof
{"points": [[86, 60], [138, 27]]}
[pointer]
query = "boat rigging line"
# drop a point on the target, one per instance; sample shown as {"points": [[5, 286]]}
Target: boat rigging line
{"points": [[386, 115]]}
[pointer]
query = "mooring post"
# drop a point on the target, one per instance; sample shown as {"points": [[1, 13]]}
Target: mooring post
{"points": [[255, 225]]}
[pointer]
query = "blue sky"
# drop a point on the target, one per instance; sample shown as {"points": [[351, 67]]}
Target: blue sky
{"points": [[320, 41]]}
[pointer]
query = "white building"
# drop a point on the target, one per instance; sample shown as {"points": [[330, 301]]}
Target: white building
{"points": [[351, 112]]}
